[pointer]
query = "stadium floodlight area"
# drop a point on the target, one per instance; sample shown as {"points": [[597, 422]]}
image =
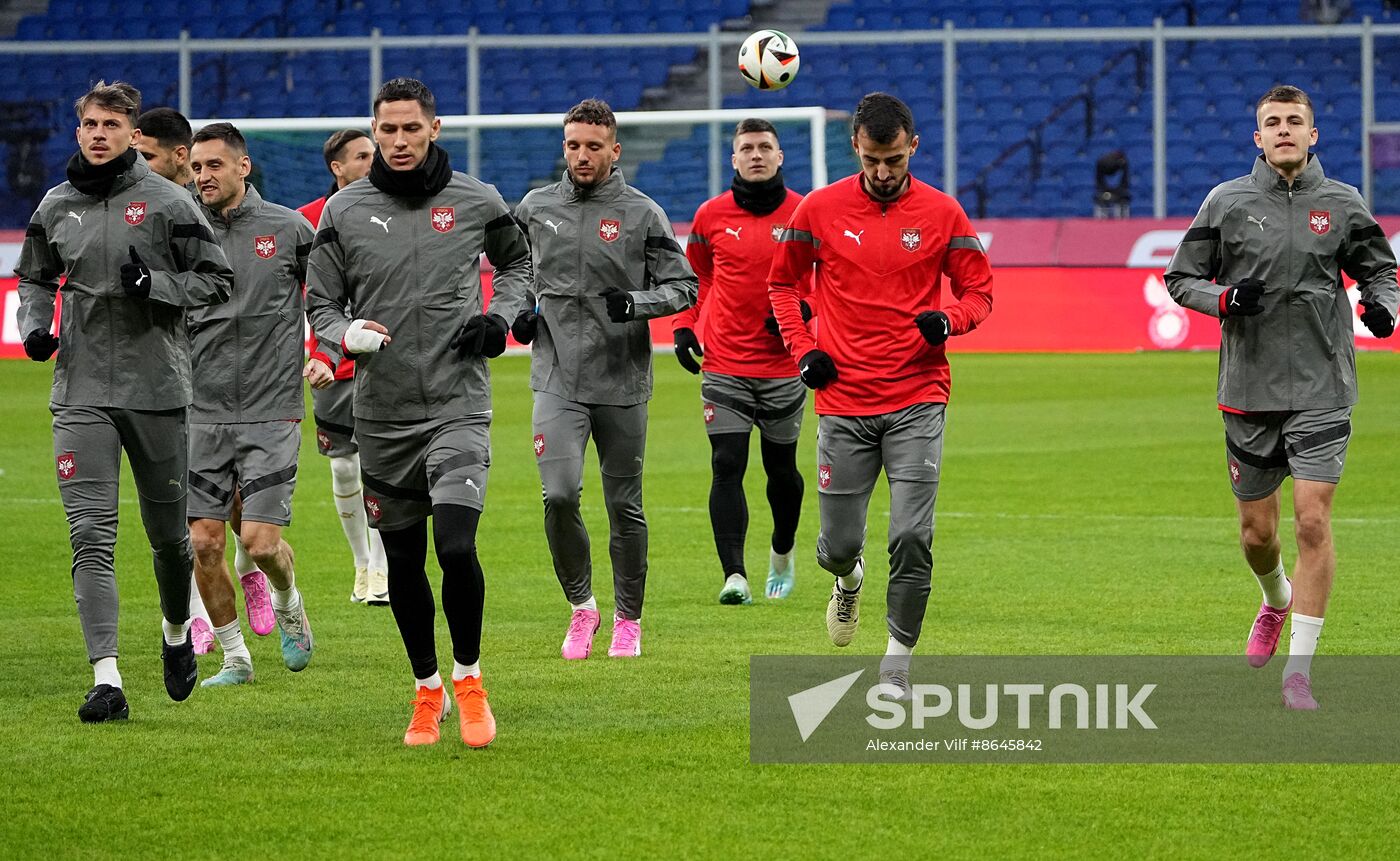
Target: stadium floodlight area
{"points": [[680, 158]]}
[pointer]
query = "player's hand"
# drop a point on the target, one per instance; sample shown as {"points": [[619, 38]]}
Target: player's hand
{"points": [[771, 321], [817, 369], [482, 335], [620, 305], [318, 373], [1245, 298], [1376, 318], [364, 336], [686, 344], [526, 326], [39, 345], [934, 326], [136, 276]]}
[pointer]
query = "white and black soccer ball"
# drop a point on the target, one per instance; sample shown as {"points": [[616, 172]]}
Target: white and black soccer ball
{"points": [[768, 60]]}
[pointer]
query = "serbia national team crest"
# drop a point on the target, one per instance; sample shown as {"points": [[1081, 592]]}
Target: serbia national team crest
{"points": [[1319, 221], [778, 232], [609, 229], [909, 238], [444, 219], [67, 465], [539, 445], [323, 441], [135, 212], [824, 475], [1234, 471], [265, 246], [709, 413], [372, 507]]}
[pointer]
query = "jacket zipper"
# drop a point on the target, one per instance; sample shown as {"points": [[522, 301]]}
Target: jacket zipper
{"points": [[579, 297]]}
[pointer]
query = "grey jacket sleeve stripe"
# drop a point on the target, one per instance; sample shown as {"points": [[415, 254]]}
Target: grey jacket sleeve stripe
{"points": [[1369, 259], [674, 286], [1190, 276], [192, 231], [203, 275], [664, 242], [500, 222], [508, 249], [38, 270], [1202, 234], [970, 243], [325, 236]]}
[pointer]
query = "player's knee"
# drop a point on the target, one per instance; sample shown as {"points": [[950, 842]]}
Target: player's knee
{"points": [[1313, 528], [261, 543], [561, 498], [345, 473], [92, 534], [1257, 535], [728, 458], [838, 554], [913, 541]]}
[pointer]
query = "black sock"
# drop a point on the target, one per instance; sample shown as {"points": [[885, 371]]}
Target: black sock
{"points": [[410, 596], [463, 585], [784, 491], [729, 511]]}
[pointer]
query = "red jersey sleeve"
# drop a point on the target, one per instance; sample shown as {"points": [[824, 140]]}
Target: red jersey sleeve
{"points": [[790, 279], [969, 276], [701, 257]]}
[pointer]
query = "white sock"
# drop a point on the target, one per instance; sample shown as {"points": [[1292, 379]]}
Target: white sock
{"points": [[895, 647], [851, 582], [1277, 590], [779, 562], [104, 672], [231, 641], [1302, 644], [197, 608], [345, 484], [175, 634], [461, 671], [287, 600], [590, 604], [242, 562], [378, 559], [432, 682]]}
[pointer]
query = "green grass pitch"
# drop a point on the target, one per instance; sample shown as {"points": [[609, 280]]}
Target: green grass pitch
{"points": [[1084, 509]]}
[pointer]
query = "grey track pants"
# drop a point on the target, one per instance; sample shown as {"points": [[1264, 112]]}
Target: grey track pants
{"points": [[562, 429], [851, 450], [88, 444]]}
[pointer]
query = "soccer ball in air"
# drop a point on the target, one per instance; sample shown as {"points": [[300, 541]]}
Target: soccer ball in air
{"points": [[768, 60]]}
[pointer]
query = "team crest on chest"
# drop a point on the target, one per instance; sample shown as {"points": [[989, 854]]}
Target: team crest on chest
{"points": [[67, 465], [909, 238], [265, 246], [609, 229], [1319, 221], [778, 232], [135, 212], [444, 219]]}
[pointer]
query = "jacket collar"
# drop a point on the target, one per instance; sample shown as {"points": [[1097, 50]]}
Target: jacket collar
{"points": [[1267, 178], [610, 189], [252, 203]]}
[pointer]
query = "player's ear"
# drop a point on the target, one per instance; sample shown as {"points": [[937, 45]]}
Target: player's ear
{"points": [[437, 128]]}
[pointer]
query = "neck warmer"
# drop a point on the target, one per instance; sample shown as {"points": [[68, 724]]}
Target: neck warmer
{"points": [[96, 179], [760, 198], [426, 180]]}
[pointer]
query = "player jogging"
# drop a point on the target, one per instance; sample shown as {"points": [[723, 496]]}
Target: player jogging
{"points": [[136, 252], [1266, 254], [749, 376], [882, 242]]}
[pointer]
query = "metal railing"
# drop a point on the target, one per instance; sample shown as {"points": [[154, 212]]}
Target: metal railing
{"points": [[715, 41]]}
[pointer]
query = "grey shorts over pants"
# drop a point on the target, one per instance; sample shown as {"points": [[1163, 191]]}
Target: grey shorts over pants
{"points": [[87, 446], [562, 429], [851, 450]]}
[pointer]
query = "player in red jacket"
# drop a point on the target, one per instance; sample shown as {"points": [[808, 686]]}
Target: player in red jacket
{"points": [[882, 242], [749, 377], [348, 155]]}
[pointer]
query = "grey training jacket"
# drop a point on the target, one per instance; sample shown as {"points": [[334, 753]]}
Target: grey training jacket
{"points": [[584, 241], [247, 352], [1298, 354], [116, 351], [413, 264]]}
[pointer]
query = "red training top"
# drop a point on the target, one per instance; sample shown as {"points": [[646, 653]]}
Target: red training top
{"points": [[346, 369], [731, 251], [879, 265]]}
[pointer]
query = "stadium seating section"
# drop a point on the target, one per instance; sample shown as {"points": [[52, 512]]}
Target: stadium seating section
{"points": [[1098, 93]]}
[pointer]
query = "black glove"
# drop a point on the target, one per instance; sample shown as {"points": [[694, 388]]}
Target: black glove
{"points": [[136, 276], [934, 326], [620, 307], [482, 335], [771, 321], [1243, 300], [1376, 318], [817, 369], [39, 345], [526, 326], [687, 343]]}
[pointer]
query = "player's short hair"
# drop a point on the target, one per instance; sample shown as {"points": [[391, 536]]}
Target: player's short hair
{"points": [[225, 132], [595, 112], [882, 116], [336, 143], [406, 90], [168, 126], [752, 125], [118, 97], [1285, 93]]}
